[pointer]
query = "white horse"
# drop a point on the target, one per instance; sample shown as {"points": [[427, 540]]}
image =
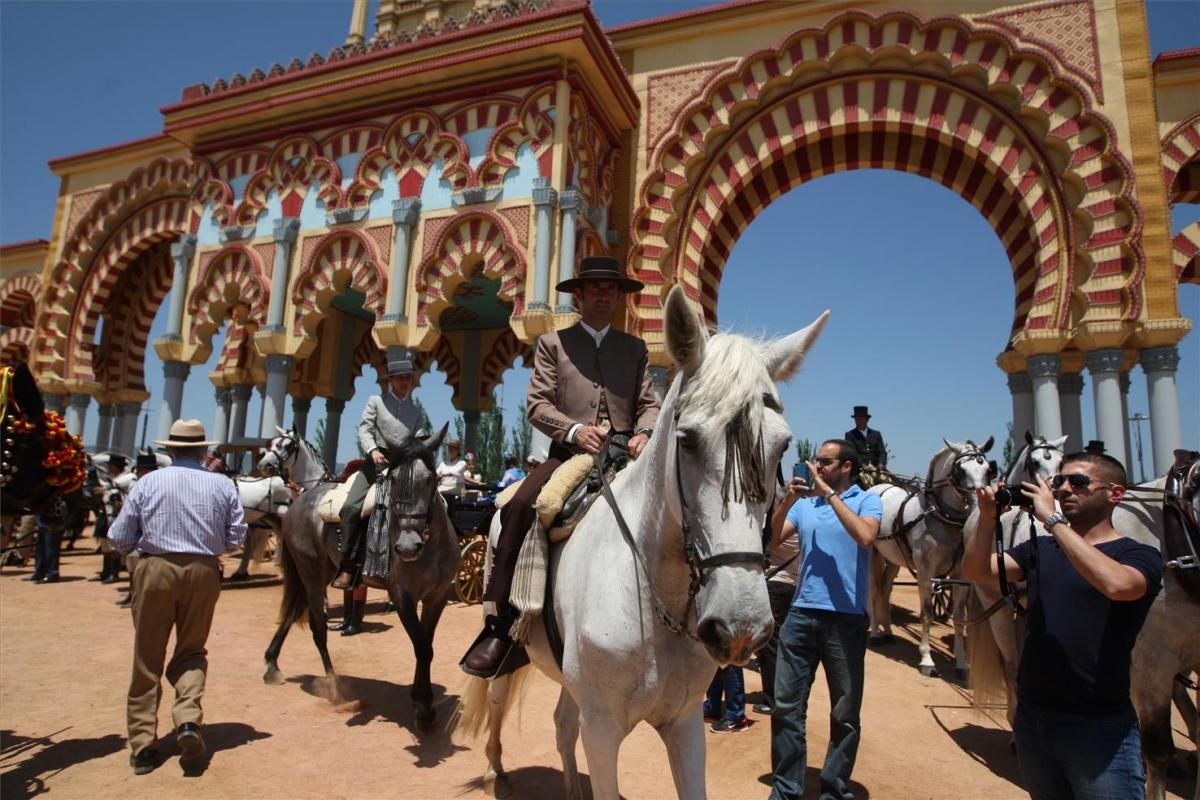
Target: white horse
{"points": [[922, 530], [993, 629], [644, 613], [293, 456], [265, 499]]}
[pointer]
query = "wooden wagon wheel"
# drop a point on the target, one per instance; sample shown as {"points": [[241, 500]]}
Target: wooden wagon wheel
{"points": [[468, 581]]}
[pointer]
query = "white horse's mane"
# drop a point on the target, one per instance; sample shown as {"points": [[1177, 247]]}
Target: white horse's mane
{"points": [[731, 378]]}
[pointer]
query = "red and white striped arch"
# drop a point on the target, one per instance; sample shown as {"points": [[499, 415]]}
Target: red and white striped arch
{"points": [[410, 146], [232, 283], [15, 346], [966, 107], [367, 353], [18, 299], [504, 353], [1180, 151], [294, 165], [474, 239], [119, 360], [532, 125], [343, 259], [355, 139], [1186, 251], [238, 353]]}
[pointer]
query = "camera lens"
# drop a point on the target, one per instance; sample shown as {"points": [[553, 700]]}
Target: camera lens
{"points": [[1004, 496]]}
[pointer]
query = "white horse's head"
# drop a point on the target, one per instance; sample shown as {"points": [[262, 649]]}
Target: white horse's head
{"points": [[970, 469], [280, 453], [414, 496], [1041, 457], [728, 434]]}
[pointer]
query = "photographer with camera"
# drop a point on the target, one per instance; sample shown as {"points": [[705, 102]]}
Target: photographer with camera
{"points": [[1089, 591]]}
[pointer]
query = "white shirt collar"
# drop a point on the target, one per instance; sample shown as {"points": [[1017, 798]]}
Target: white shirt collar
{"points": [[598, 335], [398, 397]]}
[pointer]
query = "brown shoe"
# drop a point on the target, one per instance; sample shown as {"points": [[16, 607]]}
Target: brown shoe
{"points": [[345, 576], [485, 657]]}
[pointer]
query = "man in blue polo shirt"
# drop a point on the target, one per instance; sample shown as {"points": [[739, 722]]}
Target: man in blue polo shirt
{"points": [[836, 524]]}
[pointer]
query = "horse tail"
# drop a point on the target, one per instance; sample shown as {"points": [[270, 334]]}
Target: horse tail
{"points": [[294, 606], [983, 656], [476, 713]]}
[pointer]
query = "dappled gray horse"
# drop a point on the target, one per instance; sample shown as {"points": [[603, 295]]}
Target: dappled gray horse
{"points": [[423, 552]]}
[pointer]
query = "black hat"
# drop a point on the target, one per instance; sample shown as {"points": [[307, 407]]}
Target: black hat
{"points": [[600, 268], [861, 411], [146, 460], [1094, 446]]}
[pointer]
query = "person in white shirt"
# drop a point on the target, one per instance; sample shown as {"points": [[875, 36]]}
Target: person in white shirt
{"points": [[452, 473]]}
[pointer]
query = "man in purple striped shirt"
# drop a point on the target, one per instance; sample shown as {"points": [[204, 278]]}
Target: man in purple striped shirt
{"points": [[179, 520]]}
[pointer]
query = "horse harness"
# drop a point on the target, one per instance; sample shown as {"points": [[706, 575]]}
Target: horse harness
{"points": [[1181, 529]]}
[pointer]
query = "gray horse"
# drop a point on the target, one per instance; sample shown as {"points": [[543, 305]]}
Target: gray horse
{"points": [[423, 558]]}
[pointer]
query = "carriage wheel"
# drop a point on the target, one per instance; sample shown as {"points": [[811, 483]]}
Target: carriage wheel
{"points": [[940, 600], [468, 581]]}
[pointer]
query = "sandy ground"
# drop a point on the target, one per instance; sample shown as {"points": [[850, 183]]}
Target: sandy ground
{"points": [[66, 652]]}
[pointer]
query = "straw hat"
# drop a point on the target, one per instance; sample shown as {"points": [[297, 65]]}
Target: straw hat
{"points": [[186, 433]]}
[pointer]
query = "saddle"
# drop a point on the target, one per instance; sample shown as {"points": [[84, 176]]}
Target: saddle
{"points": [[330, 506]]}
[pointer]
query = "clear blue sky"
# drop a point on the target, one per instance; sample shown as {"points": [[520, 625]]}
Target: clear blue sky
{"points": [[919, 285]]}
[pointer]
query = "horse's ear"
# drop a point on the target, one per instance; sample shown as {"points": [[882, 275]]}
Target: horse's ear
{"points": [[434, 442], [686, 336], [29, 398], [1059, 442], [784, 356], [957, 447], [1028, 437], [280, 431], [991, 440]]}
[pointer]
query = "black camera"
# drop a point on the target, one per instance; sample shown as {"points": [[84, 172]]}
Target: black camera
{"points": [[1012, 497]]}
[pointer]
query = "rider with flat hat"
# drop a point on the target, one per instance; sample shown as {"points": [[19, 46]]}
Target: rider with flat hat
{"points": [[387, 421], [587, 380]]}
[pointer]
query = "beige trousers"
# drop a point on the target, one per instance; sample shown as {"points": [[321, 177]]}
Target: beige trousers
{"points": [[170, 591]]}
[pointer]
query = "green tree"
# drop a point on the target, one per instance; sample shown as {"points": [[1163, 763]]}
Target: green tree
{"points": [[489, 460], [318, 439], [521, 436], [805, 450], [423, 423], [1010, 449]]}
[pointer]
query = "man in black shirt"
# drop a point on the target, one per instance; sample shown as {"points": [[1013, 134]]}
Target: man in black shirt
{"points": [[866, 440], [1089, 591]]}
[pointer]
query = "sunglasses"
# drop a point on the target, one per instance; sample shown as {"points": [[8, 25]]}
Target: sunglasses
{"points": [[1076, 481], [825, 462]]}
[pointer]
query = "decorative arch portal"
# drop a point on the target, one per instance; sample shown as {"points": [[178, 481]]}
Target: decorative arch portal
{"points": [[119, 358], [1187, 254], [152, 205], [342, 260], [474, 243], [1001, 125], [231, 285], [1181, 161], [18, 300], [294, 165], [15, 346], [367, 353], [504, 352]]}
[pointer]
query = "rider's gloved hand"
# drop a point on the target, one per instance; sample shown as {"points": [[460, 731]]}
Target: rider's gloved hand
{"points": [[379, 458]]}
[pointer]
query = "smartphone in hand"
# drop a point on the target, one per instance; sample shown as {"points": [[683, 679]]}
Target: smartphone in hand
{"points": [[800, 470]]}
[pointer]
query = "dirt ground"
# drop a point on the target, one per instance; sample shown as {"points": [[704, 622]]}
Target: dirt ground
{"points": [[66, 653]]}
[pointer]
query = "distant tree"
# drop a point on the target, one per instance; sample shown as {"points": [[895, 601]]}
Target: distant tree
{"points": [[1010, 448], [521, 436], [318, 439], [805, 450], [489, 460], [423, 423]]}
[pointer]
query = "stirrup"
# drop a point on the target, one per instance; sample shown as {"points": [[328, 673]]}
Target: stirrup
{"points": [[353, 571]]}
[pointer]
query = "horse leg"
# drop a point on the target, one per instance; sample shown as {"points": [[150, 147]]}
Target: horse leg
{"points": [[881, 628], [318, 624], [958, 612], [243, 571], [495, 779], [602, 737], [422, 690], [925, 591], [566, 731], [292, 608], [684, 738]]}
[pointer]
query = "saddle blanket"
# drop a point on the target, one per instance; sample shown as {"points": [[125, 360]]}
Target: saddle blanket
{"points": [[555, 493], [330, 507]]}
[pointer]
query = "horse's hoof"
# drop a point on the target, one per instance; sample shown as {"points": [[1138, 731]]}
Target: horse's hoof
{"points": [[273, 677], [928, 671]]}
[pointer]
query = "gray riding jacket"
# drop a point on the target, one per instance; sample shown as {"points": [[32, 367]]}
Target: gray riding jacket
{"points": [[387, 421]]}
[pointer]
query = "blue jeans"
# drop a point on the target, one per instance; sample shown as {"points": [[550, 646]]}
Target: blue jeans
{"points": [[46, 551], [837, 642], [1087, 758], [730, 681]]}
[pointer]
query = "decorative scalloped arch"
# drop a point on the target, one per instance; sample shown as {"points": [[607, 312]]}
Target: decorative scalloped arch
{"points": [[18, 299], [119, 360], [230, 283], [973, 110], [237, 353], [343, 259], [590, 154], [352, 139], [369, 353], [410, 146], [504, 354], [472, 234], [15, 346], [295, 164], [532, 125], [589, 243], [1181, 149], [1186, 254]]}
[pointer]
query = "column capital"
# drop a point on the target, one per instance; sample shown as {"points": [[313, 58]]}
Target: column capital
{"points": [[570, 200], [278, 363], [132, 407], [1019, 383], [301, 404], [543, 195], [406, 210], [183, 249], [1043, 365], [241, 392], [105, 409], [335, 405], [1160, 359], [1102, 361], [223, 395], [176, 369], [1070, 383], [286, 229], [79, 400]]}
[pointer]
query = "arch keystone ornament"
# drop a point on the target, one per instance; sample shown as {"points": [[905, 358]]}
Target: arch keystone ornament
{"points": [[1005, 125]]}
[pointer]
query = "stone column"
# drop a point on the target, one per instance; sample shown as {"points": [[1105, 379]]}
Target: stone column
{"points": [[1047, 414], [1160, 364], [127, 426], [285, 232], [334, 407], [404, 215], [569, 202], [175, 373], [1020, 386], [300, 409], [544, 201], [238, 408], [1105, 367], [77, 405], [279, 373], [181, 257], [104, 428], [220, 431], [1125, 382], [471, 434], [1070, 388]]}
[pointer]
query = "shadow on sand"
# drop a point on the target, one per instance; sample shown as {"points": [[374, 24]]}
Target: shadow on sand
{"points": [[812, 784], [28, 761], [534, 783]]}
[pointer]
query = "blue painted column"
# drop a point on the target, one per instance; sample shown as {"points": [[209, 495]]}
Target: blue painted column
{"points": [[279, 373], [220, 432], [334, 406], [1105, 368], [1045, 369], [1160, 365], [300, 409], [404, 215], [175, 374], [181, 258], [285, 232], [544, 201], [104, 428], [569, 202], [76, 413]]}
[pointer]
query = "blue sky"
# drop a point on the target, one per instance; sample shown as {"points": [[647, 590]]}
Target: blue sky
{"points": [[919, 286]]}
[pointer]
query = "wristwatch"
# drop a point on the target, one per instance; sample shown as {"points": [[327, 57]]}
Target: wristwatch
{"points": [[1053, 520], [829, 494]]}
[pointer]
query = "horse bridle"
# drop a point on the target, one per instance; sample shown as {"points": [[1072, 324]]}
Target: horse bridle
{"points": [[1176, 500], [291, 448], [414, 518]]}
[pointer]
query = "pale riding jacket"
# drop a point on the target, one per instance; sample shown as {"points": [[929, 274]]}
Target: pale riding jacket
{"points": [[387, 421]]}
